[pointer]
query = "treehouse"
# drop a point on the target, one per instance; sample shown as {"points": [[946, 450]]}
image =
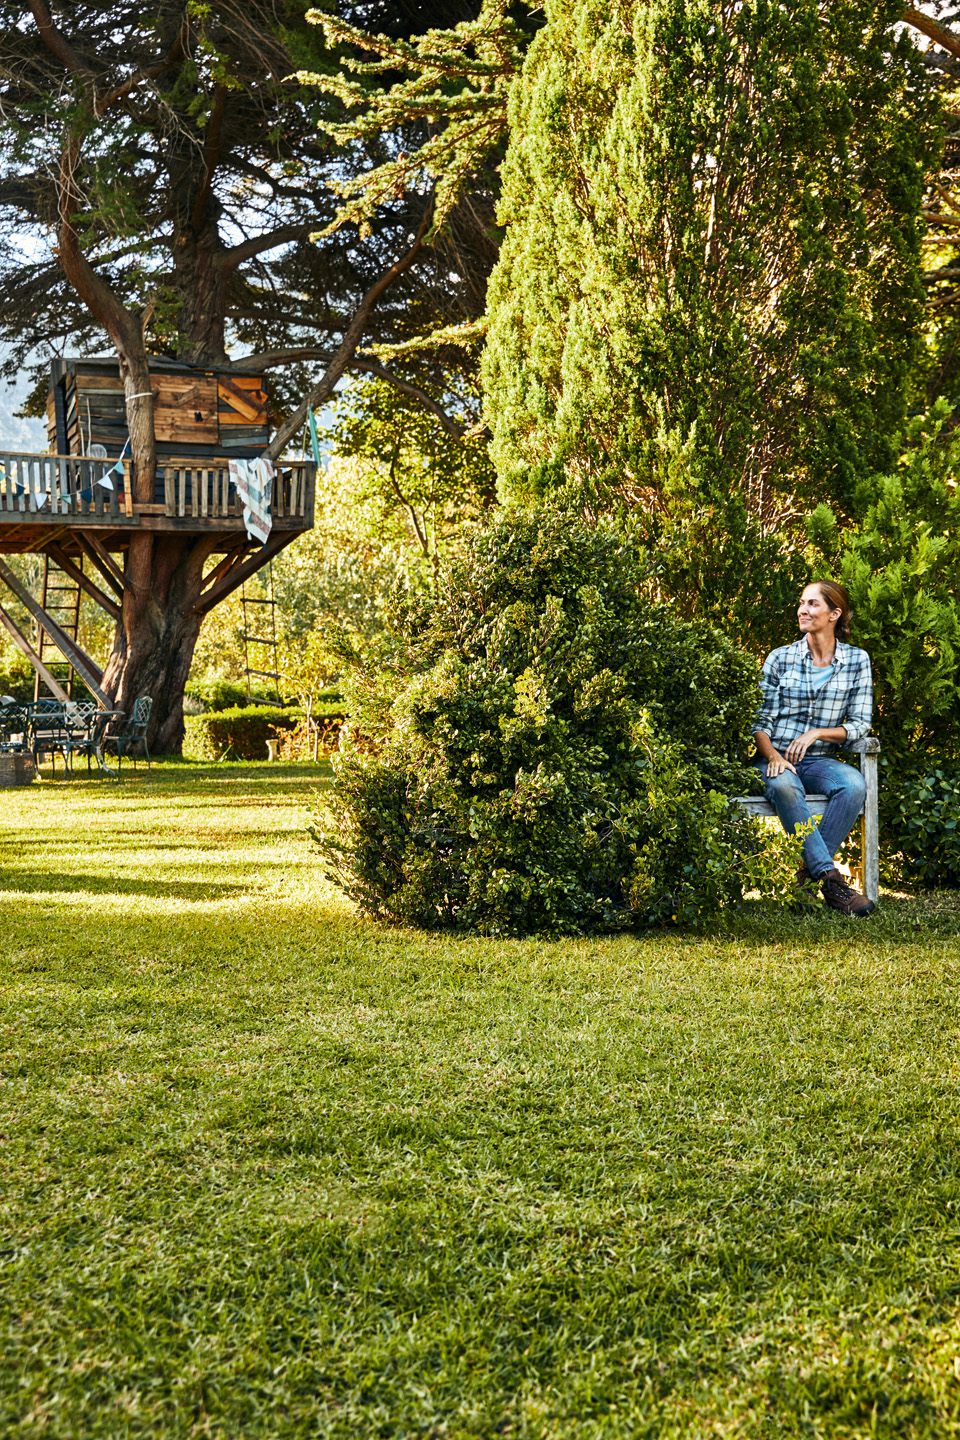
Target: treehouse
{"points": [[75, 503]]}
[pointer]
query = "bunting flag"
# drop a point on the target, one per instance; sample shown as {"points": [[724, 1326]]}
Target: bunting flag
{"points": [[116, 469]]}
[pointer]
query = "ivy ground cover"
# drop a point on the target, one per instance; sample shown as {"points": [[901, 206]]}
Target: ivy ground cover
{"points": [[269, 1170]]}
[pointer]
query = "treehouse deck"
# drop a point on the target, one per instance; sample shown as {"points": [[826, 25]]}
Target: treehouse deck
{"points": [[76, 502], [48, 499]]}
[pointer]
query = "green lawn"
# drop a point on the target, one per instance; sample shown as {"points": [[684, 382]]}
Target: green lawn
{"points": [[271, 1170]]}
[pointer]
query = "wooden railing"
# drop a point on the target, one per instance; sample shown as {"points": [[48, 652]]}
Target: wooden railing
{"points": [[59, 485], [67, 486], [202, 491]]}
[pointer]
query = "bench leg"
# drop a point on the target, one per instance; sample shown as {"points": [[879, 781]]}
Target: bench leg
{"points": [[871, 828]]}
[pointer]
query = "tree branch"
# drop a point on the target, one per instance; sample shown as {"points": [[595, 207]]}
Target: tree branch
{"points": [[247, 249], [57, 43], [935, 32], [407, 387], [255, 364], [420, 534], [210, 157], [328, 381]]}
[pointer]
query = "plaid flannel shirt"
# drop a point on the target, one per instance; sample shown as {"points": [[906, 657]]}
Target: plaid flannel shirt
{"points": [[791, 705]]}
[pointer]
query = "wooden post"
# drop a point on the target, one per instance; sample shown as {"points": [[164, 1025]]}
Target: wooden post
{"points": [[868, 750]]}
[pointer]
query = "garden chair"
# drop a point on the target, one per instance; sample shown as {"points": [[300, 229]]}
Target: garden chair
{"points": [[87, 723], [132, 732], [868, 749], [49, 733]]}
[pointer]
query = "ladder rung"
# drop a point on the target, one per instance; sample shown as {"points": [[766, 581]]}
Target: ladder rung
{"points": [[258, 640]]}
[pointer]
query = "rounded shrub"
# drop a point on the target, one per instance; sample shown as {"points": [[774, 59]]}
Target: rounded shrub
{"points": [[544, 748]]}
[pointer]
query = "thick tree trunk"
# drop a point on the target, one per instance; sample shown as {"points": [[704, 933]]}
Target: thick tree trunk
{"points": [[159, 625]]}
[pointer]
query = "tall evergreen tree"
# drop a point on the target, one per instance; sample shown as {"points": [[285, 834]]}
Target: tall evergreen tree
{"points": [[709, 297]]}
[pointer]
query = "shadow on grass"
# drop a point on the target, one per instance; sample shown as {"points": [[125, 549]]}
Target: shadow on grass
{"points": [[32, 881]]}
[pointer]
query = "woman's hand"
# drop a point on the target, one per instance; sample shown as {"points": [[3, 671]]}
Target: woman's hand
{"points": [[776, 766], [799, 747]]}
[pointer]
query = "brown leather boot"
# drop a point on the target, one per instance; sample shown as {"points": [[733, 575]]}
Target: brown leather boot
{"points": [[805, 892], [841, 896]]}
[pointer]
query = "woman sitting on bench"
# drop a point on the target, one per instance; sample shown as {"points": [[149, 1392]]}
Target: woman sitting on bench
{"points": [[817, 694]]}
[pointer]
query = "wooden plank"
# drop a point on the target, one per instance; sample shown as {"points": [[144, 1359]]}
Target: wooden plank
{"points": [[23, 644], [86, 584], [90, 673], [229, 582], [179, 401], [759, 805], [249, 403], [169, 492], [88, 380], [101, 559], [244, 382], [871, 827], [232, 557]]}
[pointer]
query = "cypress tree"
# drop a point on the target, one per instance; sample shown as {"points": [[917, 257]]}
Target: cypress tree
{"points": [[709, 290]]}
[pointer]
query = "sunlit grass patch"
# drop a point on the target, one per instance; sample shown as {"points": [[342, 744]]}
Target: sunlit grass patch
{"points": [[269, 1169]]}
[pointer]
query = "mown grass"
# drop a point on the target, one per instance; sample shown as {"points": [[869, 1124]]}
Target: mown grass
{"points": [[271, 1170]]}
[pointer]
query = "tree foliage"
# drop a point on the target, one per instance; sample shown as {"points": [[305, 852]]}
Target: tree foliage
{"points": [[543, 748], [710, 278]]}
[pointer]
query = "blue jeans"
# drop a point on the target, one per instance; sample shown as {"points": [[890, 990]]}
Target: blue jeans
{"points": [[844, 789]]}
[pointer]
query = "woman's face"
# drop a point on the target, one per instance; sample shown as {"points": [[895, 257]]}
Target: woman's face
{"points": [[814, 615]]}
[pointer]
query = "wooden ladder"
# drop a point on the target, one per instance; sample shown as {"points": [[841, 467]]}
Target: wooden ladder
{"points": [[60, 599], [260, 636]]}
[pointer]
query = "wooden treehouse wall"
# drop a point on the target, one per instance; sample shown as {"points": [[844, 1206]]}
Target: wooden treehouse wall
{"points": [[196, 413]]}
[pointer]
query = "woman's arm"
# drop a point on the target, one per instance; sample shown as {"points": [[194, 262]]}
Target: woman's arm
{"points": [[776, 764], [796, 750]]}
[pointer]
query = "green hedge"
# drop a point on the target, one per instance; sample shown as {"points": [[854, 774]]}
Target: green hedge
{"points": [[920, 820], [237, 734]]}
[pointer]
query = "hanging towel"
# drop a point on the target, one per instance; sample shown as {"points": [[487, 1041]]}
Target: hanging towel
{"points": [[253, 480]]}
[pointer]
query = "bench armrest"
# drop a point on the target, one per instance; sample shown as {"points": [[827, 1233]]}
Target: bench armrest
{"points": [[869, 745]]}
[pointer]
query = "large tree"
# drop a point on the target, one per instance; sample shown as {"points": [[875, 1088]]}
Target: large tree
{"points": [[710, 292], [164, 176]]}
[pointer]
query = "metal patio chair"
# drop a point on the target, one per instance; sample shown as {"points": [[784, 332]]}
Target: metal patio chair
{"points": [[131, 733], [48, 733]]}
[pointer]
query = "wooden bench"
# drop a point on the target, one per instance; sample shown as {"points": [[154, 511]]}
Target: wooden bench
{"points": [[868, 750]]}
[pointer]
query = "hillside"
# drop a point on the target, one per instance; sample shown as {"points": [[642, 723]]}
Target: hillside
{"points": [[16, 433]]}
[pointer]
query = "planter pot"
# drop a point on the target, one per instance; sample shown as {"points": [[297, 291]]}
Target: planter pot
{"points": [[16, 769]]}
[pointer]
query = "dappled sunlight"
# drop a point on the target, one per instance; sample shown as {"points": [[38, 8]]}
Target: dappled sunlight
{"points": [[234, 1110]]}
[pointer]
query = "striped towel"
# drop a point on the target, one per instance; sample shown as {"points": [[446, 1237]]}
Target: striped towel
{"points": [[253, 480]]}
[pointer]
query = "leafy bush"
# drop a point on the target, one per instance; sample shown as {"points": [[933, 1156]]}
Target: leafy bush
{"points": [[544, 749], [920, 820], [16, 679], [237, 734]]}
